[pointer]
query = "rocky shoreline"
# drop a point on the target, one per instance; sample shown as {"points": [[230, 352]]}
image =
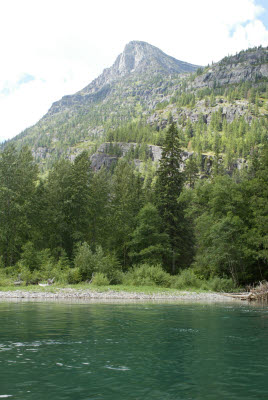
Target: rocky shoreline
{"points": [[89, 295]]}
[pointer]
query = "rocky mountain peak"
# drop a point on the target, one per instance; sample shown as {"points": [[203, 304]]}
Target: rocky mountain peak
{"points": [[143, 57], [134, 55], [139, 57]]}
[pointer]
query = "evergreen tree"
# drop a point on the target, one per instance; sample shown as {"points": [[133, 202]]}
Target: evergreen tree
{"points": [[168, 188], [18, 176], [125, 203], [58, 210], [100, 209], [148, 243], [191, 171]]}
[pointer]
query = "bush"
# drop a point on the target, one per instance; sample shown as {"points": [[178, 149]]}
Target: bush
{"points": [[100, 279], [110, 267], [25, 274], [86, 261], [5, 280], [185, 280], [46, 267], [47, 264], [29, 256], [147, 275], [217, 284], [188, 280], [73, 276], [89, 263], [11, 271]]}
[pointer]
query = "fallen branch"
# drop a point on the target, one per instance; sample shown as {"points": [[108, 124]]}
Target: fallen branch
{"points": [[260, 293]]}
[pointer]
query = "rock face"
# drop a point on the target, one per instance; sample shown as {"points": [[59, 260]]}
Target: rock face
{"points": [[245, 66], [102, 158], [137, 57], [229, 112], [141, 56]]}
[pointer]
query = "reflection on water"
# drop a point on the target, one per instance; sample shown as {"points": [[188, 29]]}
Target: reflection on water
{"points": [[133, 351]]}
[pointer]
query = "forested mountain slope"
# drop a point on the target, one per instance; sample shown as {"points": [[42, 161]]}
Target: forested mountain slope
{"points": [[132, 101], [184, 185]]}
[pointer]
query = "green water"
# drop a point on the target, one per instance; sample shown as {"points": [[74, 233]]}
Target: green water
{"points": [[133, 351]]}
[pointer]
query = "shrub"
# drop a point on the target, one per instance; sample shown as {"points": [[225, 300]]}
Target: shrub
{"points": [[147, 275], [89, 262], [73, 276], [29, 256], [110, 267], [5, 280], [35, 277], [100, 279], [25, 274], [11, 271], [186, 279], [218, 284], [47, 264], [86, 261]]}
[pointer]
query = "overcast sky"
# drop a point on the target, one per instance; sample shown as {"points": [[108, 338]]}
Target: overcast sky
{"points": [[56, 47]]}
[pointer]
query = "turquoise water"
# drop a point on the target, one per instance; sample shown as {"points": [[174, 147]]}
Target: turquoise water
{"points": [[133, 351]]}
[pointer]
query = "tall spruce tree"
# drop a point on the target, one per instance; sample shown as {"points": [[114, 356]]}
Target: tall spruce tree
{"points": [[168, 188], [148, 243]]}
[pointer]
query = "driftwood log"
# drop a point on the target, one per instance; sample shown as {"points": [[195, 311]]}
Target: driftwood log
{"points": [[259, 293], [49, 282]]}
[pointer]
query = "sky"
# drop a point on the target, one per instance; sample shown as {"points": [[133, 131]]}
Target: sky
{"points": [[56, 47]]}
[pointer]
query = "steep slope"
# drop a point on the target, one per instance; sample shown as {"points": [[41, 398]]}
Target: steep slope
{"points": [[247, 66], [135, 82], [137, 59], [144, 86]]}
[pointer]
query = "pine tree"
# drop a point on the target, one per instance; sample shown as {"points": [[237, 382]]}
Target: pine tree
{"points": [[168, 188], [191, 170], [148, 242]]}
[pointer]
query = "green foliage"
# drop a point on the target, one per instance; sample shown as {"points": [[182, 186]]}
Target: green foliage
{"points": [[134, 217], [147, 275], [126, 200], [74, 276], [5, 279], [89, 263], [100, 279], [18, 175], [111, 268], [191, 171], [148, 244], [168, 188], [29, 257], [231, 226], [218, 284], [186, 280], [86, 261], [38, 266]]}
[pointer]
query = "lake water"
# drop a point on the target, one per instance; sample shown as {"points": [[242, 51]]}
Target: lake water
{"points": [[138, 351]]}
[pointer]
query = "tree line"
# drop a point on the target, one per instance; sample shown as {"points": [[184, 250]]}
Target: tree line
{"points": [[74, 218]]}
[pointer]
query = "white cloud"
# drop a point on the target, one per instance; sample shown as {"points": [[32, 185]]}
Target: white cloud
{"points": [[65, 44]]}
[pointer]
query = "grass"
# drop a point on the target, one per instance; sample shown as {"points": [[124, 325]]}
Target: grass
{"points": [[115, 288]]}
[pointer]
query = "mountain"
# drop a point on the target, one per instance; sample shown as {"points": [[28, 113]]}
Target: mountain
{"points": [[137, 59], [133, 99]]}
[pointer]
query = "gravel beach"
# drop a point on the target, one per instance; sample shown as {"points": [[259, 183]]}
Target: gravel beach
{"points": [[89, 295]]}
